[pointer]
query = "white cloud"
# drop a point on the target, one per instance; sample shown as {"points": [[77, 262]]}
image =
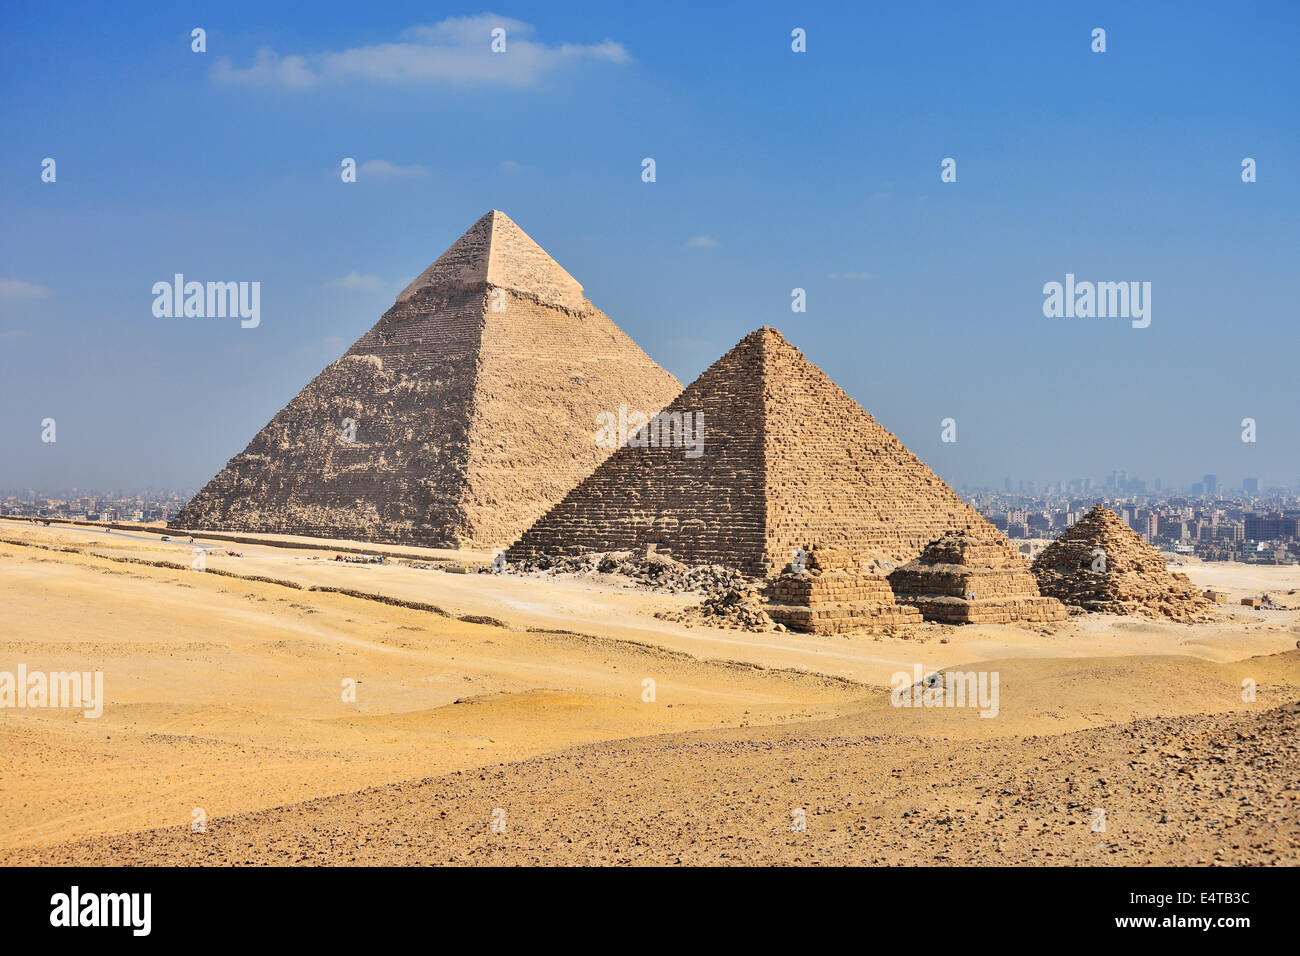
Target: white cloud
{"points": [[383, 169], [356, 282], [18, 289], [701, 242], [454, 51]]}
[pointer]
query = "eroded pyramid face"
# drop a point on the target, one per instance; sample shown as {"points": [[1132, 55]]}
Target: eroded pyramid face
{"points": [[1101, 564], [468, 410], [786, 459]]}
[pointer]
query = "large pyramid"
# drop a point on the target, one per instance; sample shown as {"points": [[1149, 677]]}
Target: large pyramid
{"points": [[473, 403], [1101, 564], [787, 460]]}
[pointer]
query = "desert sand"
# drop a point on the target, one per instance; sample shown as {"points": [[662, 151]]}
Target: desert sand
{"points": [[478, 692]]}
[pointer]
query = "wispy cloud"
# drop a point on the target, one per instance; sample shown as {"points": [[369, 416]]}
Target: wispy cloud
{"points": [[455, 51], [512, 166], [356, 282], [383, 169], [701, 242], [18, 289]]}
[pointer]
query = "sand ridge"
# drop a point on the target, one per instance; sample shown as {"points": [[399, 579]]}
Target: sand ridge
{"points": [[224, 693]]}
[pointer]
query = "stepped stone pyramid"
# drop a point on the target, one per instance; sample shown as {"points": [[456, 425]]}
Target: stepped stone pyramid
{"points": [[787, 458], [474, 401], [973, 576], [1132, 580], [832, 594]]}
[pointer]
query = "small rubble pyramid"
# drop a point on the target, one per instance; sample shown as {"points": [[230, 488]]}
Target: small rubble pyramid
{"points": [[466, 412], [973, 576], [832, 594], [772, 454], [1101, 564]]}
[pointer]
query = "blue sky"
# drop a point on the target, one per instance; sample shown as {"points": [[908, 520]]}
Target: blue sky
{"points": [[818, 170]]}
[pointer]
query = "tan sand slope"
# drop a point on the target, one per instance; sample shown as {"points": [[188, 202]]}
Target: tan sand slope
{"points": [[224, 693], [1171, 790], [625, 614]]}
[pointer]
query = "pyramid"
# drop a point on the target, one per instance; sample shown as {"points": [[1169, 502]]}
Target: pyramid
{"points": [[474, 402], [831, 594], [1101, 564], [787, 458], [973, 576]]}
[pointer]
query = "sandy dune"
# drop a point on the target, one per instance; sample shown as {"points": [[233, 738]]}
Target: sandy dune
{"points": [[225, 693]]}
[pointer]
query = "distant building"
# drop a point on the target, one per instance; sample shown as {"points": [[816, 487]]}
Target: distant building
{"points": [[1211, 484], [1250, 486], [1270, 527]]}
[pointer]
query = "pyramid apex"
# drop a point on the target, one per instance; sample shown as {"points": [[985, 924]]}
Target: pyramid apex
{"points": [[496, 252], [1099, 510]]}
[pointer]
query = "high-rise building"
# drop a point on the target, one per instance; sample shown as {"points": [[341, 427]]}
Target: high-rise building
{"points": [[1250, 486], [1211, 484], [1270, 527]]}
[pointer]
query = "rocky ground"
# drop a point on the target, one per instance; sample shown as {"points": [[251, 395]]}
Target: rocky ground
{"points": [[731, 599], [1198, 790], [528, 694], [651, 571]]}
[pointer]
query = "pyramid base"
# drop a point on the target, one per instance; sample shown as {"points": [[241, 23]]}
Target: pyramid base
{"points": [[1178, 610], [1127, 594], [837, 618], [953, 610]]}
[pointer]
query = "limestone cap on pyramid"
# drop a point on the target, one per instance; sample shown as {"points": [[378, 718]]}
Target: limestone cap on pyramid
{"points": [[496, 252]]}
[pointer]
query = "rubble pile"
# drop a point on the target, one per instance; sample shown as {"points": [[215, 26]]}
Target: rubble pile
{"points": [[650, 570], [1100, 564]]}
